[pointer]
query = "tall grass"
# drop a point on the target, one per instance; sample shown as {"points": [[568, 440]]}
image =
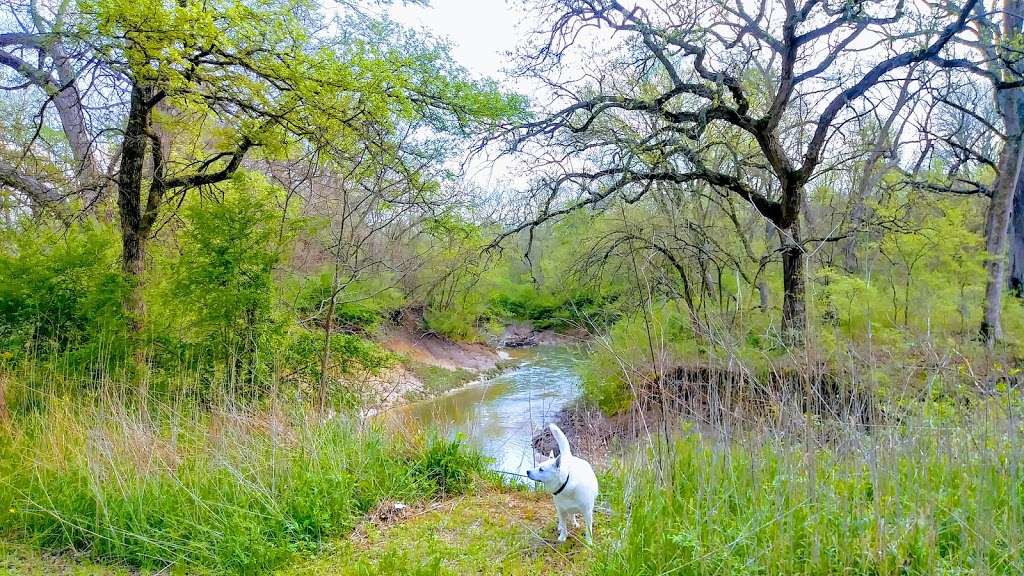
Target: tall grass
{"points": [[219, 492], [903, 502]]}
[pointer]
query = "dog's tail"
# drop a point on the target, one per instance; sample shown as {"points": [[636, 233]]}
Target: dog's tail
{"points": [[563, 442]]}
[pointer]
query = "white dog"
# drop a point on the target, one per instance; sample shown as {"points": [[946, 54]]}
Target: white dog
{"points": [[573, 484]]}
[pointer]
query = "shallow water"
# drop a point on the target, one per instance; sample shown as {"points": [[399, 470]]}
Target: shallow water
{"points": [[499, 414]]}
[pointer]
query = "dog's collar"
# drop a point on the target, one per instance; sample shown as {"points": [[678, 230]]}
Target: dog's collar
{"points": [[562, 487]]}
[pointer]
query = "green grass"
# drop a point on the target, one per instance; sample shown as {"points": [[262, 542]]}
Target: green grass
{"points": [[944, 501], [223, 493], [86, 484], [23, 560], [438, 380], [495, 532]]}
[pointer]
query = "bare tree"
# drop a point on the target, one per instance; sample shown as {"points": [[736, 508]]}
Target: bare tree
{"points": [[882, 154], [995, 56], [703, 73], [40, 53]]}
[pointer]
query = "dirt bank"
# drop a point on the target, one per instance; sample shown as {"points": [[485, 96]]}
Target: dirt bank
{"points": [[433, 350], [592, 434], [524, 335]]}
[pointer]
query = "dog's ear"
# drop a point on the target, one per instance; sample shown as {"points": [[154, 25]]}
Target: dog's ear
{"points": [[558, 461]]}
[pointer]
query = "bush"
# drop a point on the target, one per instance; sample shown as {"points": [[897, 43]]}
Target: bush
{"points": [[625, 353], [454, 323], [361, 307], [448, 465], [220, 297], [60, 294], [552, 311]]}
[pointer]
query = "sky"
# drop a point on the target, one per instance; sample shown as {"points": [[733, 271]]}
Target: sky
{"points": [[481, 31]]}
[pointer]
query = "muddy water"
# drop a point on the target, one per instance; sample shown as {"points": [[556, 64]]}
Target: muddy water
{"points": [[499, 415]]}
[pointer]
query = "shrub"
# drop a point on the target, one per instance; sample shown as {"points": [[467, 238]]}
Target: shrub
{"points": [[448, 465], [60, 293], [625, 353], [552, 311], [221, 293], [361, 306]]}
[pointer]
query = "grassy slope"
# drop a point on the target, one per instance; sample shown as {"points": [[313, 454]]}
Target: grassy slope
{"points": [[494, 532], [497, 531], [926, 509]]}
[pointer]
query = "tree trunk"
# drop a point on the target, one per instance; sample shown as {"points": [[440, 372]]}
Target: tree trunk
{"points": [[129, 203], [68, 102], [1017, 241], [764, 294], [998, 220], [794, 309], [325, 359]]}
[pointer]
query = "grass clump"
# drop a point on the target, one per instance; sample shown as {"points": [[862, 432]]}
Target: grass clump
{"points": [[940, 503], [220, 493]]}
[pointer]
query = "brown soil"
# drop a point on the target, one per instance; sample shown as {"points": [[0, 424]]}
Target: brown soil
{"points": [[437, 351], [592, 434]]}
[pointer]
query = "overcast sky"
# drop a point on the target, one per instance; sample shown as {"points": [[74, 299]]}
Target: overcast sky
{"points": [[481, 31]]}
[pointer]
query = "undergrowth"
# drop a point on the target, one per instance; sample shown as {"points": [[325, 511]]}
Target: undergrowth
{"points": [[940, 501], [227, 492]]}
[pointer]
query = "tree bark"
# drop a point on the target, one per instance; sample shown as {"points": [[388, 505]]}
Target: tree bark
{"points": [[996, 229], [129, 203], [326, 358], [68, 102], [794, 307], [1017, 241], [1016, 232], [998, 220], [1008, 102]]}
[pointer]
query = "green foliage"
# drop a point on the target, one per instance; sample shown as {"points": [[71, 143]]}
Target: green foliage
{"points": [[554, 311], [449, 465], [470, 287], [349, 355], [456, 322], [224, 494], [60, 293], [625, 353], [221, 292], [926, 279], [361, 305]]}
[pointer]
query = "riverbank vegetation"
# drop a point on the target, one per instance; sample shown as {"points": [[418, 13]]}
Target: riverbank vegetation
{"points": [[229, 232]]}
